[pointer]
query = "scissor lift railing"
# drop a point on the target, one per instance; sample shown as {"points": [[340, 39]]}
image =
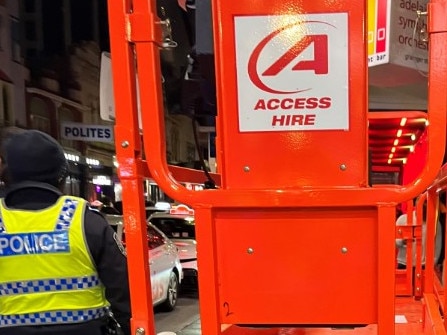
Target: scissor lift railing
{"points": [[409, 279], [333, 264], [434, 286]]}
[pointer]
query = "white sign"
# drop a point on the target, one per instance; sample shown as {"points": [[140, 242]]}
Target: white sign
{"points": [[106, 96], [86, 132], [396, 34], [292, 72]]}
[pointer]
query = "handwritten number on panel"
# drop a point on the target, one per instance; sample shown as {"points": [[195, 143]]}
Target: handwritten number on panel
{"points": [[226, 305]]}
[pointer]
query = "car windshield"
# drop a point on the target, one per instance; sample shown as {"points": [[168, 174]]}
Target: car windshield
{"points": [[174, 228]]}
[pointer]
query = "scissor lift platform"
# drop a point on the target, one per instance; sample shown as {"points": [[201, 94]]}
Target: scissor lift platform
{"points": [[408, 318], [301, 168]]}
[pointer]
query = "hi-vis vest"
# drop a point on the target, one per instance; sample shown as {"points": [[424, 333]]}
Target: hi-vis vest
{"points": [[47, 275]]}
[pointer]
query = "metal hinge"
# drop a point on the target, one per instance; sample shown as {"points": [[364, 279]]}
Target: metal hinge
{"points": [[144, 27]]}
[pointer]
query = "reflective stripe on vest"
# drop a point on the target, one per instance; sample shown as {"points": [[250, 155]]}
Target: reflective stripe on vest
{"points": [[66, 214], [48, 285], [52, 317]]}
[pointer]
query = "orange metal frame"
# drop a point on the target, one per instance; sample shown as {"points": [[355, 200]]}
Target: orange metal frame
{"points": [[332, 222], [411, 281], [408, 280], [433, 287]]}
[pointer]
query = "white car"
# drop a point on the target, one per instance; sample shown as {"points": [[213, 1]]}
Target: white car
{"points": [[179, 226], [164, 262]]}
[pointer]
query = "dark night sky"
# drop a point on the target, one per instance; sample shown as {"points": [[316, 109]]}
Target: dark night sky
{"points": [[81, 23]]}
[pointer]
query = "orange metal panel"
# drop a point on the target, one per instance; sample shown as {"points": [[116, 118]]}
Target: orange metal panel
{"points": [[280, 260], [306, 156], [210, 303], [406, 308]]}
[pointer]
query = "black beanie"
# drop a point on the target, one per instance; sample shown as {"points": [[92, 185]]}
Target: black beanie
{"points": [[33, 155]]}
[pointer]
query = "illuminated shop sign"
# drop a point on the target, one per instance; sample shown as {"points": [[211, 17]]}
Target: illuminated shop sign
{"points": [[102, 180], [92, 161], [72, 157]]}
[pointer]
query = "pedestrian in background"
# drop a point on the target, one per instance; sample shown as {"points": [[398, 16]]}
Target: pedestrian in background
{"points": [[62, 267]]}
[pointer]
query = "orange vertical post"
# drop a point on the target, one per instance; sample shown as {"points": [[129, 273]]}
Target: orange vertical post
{"points": [[131, 169], [404, 277], [385, 270], [431, 220], [418, 238]]}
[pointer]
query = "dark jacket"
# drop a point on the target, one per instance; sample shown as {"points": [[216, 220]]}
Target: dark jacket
{"points": [[110, 263]]}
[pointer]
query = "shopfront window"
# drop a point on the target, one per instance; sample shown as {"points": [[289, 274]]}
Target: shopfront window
{"points": [[40, 116]]}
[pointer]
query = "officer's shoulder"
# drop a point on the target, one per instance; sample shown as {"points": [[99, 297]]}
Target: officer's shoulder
{"points": [[94, 214], [94, 210], [95, 222]]}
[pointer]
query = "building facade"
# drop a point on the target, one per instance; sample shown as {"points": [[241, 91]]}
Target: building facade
{"points": [[50, 60], [13, 73], [61, 45]]}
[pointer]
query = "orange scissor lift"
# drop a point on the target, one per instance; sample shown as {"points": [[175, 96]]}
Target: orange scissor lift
{"points": [[293, 240], [411, 280]]}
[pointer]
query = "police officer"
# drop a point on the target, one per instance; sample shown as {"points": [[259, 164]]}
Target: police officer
{"points": [[62, 267]]}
